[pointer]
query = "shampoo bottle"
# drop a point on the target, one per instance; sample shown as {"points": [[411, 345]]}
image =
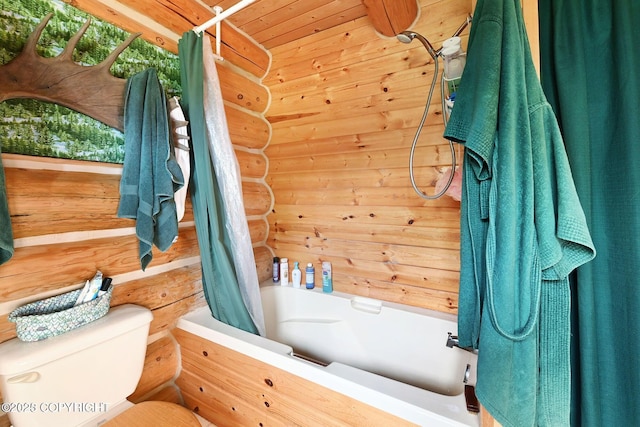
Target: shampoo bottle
{"points": [[296, 275], [284, 272], [276, 269], [310, 276], [327, 277]]}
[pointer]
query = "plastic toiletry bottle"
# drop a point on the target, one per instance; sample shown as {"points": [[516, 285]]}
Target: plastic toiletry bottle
{"points": [[296, 275], [310, 273], [284, 272], [327, 277], [276, 269], [454, 62]]}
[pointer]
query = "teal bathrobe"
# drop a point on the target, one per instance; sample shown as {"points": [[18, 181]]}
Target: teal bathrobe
{"points": [[523, 229]]}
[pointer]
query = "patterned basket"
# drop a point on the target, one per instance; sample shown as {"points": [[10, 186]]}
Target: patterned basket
{"points": [[56, 315]]}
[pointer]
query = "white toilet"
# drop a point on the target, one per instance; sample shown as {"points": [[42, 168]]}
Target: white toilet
{"points": [[80, 378]]}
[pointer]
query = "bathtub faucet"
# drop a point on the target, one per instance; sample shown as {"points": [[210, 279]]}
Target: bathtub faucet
{"points": [[452, 341]]}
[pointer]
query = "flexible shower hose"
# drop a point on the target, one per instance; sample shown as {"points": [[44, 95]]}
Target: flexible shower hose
{"points": [[415, 139]]}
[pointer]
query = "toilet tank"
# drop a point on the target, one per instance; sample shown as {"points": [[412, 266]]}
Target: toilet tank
{"points": [[73, 377]]}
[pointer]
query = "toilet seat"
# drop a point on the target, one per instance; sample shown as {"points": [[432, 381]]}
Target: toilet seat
{"points": [[157, 414]]}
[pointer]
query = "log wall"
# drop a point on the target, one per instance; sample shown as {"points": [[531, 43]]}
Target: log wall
{"points": [[64, 213], [345, 107]]}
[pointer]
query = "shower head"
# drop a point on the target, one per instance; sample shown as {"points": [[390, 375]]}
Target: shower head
{"points": [[408, 36]]}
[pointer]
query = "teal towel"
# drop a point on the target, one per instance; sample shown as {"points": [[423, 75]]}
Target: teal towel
{"points": [[523, 229], [6, 232], [150, 174]]}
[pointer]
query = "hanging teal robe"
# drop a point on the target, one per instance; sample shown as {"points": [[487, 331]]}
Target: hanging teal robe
{"points": [[590, 67], [523, 229]]}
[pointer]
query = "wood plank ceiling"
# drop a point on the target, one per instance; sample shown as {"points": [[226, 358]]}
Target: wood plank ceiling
{"points": [[276, 22], [271, 23]]}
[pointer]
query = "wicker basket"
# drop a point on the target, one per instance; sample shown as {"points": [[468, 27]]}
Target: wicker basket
{"points": [[56, 315]]}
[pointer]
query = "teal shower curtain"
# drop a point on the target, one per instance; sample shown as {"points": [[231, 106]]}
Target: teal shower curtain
{"points": [[219, 279], [590, 70]]}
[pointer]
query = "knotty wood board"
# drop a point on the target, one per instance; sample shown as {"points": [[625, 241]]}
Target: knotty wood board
{"points": [[273, 390], [345, 108], [161, 361]]}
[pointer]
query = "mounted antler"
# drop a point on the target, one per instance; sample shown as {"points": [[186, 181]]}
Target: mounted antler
{"points": [[91, 90]]}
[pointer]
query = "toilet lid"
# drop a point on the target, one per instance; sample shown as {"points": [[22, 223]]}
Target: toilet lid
{"points": [[157, 414]]}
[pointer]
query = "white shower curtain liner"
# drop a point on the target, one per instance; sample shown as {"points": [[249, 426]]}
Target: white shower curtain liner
{"points": [[227, 172]]}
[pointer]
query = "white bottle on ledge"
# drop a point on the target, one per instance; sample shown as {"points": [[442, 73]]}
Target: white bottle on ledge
{"points": [[296, 275], [284, 272]]}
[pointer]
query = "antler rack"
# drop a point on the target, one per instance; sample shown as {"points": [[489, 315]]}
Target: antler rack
{"points": [[91, 90]]}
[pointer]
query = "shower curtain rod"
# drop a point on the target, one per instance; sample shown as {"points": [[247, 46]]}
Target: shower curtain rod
{"points": [[222, 15]]}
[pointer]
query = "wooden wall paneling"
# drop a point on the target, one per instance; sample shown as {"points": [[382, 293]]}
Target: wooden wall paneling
{"points": [[160, 365], [359, 196], [386, 258], [208, 400], [367, 216], [309, 49], [433, 299], [126, 21], [7, 330], [391, 77], [171, 300], [159, 290], [39, 202], [169, 393], [247, 130], [385, 111], [396, 275], [396, 88], [238, 402], [333, 180], [252, 164], [166, 318], [301, 129], [236, 47], [258, 229], [277, 392], [431, 236], [365, 159], [257, 198], [242, 90], [264, 261], [172, 15], [168, 295], [48, 267], [343, 121], [363, 142], [358, 44]]}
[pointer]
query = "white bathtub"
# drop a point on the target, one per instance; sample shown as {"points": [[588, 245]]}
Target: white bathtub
{"points": [[390, 356]]}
